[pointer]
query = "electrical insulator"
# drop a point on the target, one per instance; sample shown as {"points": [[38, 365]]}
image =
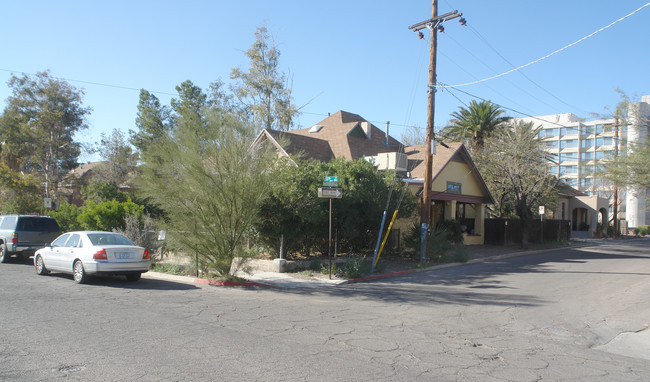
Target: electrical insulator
{"points": [[441, 29], [420, 35], [462, 21]]}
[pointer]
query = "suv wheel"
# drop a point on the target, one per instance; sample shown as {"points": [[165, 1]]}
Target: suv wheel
{"points": [[4, 256]]}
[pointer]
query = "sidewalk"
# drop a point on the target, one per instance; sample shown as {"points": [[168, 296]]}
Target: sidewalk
{"points": [[476, 254]]}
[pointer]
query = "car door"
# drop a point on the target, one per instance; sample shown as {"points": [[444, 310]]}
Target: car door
{"points": [[70, 251], [53, 255]]}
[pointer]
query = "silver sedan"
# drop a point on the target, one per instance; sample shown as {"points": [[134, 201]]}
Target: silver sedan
{"points": [[87, 253]]}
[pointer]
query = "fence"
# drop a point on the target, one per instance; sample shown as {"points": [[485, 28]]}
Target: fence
{"points": [[508, 231]]}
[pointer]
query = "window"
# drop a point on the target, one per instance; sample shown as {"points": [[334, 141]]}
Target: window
{"points": [[586, 182], [571, 181], [60, 240], [604, 141], [568, 156], [453, 187], [553, 169], [587, 130], [587, 143], [587, 156], [548, 133], [569, 131], [73, 241], [604, 154], [568, 170], [569, 143], [551, 144], [8, 223]]}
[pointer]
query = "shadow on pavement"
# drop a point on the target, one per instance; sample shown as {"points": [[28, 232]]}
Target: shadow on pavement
{"points": [[475, 283]]}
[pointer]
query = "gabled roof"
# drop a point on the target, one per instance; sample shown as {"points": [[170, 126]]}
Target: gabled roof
{"points": [[455, 152], [341, 135]]}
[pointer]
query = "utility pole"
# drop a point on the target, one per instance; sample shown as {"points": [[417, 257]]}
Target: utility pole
{"points": [[615, 206], [434, 24]]}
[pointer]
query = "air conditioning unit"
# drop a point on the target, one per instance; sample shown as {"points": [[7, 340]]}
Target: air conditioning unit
{"points": [[389, 161]]}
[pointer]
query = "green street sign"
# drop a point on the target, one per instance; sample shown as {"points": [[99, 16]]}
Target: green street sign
{"points": [[331, 181]]}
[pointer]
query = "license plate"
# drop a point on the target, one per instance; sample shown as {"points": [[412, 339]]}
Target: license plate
{"points": [[124, 255]]}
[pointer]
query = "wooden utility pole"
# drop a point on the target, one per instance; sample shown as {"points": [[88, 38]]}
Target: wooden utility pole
{"points": [[434, 24], [615, 206]]}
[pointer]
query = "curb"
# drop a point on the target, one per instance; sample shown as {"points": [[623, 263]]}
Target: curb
{"points": [[232, 283], [194, 280]]}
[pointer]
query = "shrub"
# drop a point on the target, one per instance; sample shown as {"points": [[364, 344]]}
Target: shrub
{"points": [[643, 230]]}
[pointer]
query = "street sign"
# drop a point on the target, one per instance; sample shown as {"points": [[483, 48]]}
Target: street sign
{"points": [[331, 181], [47, 203], [541, 210], [332, 193]]}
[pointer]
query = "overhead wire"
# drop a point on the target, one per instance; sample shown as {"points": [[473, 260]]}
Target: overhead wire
{"points": [[87, 82], [486, 42], [550, 54]]}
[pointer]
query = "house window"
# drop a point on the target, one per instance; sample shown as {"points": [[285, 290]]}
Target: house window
{"points": [[453, 187], [569, 143]]}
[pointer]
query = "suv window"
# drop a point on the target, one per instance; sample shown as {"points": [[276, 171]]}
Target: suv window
{"points": [[8, 223], [37, 224]]}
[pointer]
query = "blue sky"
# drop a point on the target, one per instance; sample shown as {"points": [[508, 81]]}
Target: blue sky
{"points": [[357, 56]]}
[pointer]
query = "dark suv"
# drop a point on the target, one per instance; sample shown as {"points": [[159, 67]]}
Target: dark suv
{"points": [[22, 235]]}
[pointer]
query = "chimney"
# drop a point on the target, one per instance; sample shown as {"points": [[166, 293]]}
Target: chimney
{"points": [[387, 126], [366, 128]]}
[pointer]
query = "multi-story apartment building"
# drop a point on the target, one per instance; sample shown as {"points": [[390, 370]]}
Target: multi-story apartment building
{"points": [[580, 146]]}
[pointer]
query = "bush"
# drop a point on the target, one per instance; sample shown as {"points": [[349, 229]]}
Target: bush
{"points": [[643, 230]]}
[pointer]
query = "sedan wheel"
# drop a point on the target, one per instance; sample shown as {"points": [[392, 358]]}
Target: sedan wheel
{"points": [[40, 266], [78, 272]]}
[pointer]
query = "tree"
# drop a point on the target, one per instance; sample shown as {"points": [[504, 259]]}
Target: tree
{"points": [[152, 121], [119, 157], [412, 136], [208, 181], [516, 167], [19, 193], [474, 124], [262, 90], [38, 127], [293, 208]]}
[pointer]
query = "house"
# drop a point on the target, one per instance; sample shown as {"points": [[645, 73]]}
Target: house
{"points": [[341, 135], [586, 212], [458, 190]]}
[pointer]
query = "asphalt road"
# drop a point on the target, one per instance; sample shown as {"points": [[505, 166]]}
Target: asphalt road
{"points": [[552, 316]]}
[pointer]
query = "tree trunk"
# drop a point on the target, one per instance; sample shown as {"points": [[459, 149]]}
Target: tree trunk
{"points": [[524, 233]]}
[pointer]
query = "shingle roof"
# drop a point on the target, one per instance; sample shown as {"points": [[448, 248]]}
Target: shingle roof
{"points": [[340, 137]]}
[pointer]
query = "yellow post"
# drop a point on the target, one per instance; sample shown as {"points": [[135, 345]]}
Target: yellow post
{"points": [[385, 237]]}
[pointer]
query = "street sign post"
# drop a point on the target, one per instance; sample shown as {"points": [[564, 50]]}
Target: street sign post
{"points": [[330, 193]]}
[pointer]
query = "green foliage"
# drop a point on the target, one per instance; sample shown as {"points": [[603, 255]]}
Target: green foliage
{"points": [[141, 230], [19, 193], [38, 126], [152, 121], [99, 192], [474, 124], [106, 216], [207, 180], [516, 169], [642, 230], [66, 215], [293, 208], [120, 160], [453, 228], [262, 89]]}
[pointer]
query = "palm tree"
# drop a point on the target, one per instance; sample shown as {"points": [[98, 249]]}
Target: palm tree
{"points": [[474, 124]]}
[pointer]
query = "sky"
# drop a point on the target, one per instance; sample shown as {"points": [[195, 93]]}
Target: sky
{"points": [[357, 56]]}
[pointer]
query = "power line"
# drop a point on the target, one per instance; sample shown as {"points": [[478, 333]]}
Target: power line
{"points": [[486, 42], [548, 55], [87, 82]]}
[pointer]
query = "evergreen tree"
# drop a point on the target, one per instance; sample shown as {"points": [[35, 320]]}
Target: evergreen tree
{"points": [[262, 90]]}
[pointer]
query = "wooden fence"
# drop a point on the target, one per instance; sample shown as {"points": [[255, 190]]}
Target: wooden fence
{"points": [[508, 231]]}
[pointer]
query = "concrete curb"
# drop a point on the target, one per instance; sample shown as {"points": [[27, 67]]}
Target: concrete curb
{"points": [[194, 280]]}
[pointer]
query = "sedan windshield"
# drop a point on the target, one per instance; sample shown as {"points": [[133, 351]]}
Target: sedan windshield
{"points": [[108, 239]]}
